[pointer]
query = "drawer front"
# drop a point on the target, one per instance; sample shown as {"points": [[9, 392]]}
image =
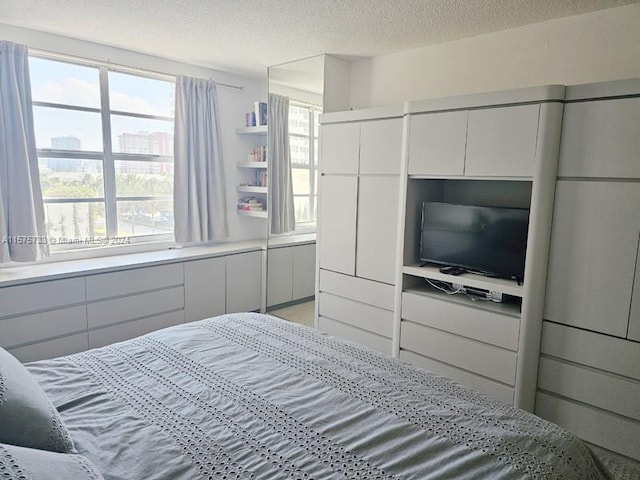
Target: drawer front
{"points": [[494, 389], [21, 299], [125, 331], [347, 332], [489, 327], [127, 282], [51, 348], [373, 319], [359, 289], [204, 288], [487, 360], [122, 309], [39, 326]]}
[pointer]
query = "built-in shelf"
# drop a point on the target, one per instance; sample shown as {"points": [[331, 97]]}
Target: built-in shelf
{"points": [[250, 189], [251, 164], [260, 130], [253, 213], [511, 308], [510, 287]]}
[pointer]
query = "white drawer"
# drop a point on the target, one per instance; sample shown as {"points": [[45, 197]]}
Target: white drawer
{"points": [[135, 328], [104, 313], [347, 332], [481, 358], [494, 389], [373, 319], [106, 285], [33, 297], [359, 289], [474, 323], [51, 348], [39, 326]]}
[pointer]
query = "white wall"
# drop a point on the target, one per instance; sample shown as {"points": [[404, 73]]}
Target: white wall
{"points": [[592, 47], [233, 103]]}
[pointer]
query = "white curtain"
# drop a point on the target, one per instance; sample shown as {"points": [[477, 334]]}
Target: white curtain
{"points": [[200, 199], [22, 231], [280, 196]]}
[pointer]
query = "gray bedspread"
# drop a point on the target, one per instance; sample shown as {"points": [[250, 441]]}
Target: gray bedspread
{"points": [[248, 396]]}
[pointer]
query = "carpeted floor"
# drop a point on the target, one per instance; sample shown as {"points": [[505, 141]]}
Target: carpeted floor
{"points": [[299, 313]]}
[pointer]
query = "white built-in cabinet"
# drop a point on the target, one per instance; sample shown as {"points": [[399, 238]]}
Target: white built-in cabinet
{"points": [[48, 318], [589, 378], [290, 273], [495, 150], [358, 220]]}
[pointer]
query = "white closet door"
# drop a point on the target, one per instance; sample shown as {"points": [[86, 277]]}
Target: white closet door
{"points": [[601, 139], [338, 201], [339, 148], [381, 146], [244, 282], [204, 288], [437, 143], [377, 228], [501, 142], [594, 242], [634, 314], [279, 275], [304, 275]]}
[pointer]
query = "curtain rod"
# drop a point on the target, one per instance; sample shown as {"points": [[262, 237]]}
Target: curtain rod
{"points": [[87, 61]]}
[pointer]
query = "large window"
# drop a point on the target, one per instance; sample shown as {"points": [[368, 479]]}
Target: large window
{"points": [[303, 139], [105, 149]]}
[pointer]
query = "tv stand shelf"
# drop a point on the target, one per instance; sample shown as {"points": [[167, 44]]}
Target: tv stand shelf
{"points": [[510, 287]]}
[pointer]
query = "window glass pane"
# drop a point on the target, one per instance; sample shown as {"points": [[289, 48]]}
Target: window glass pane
{"points": [[299, 147], [300, 179], [71, 178], [145, 218], [135, 94], [301, 207], [141, 135], [67, 129], [315, 152], [141, 179], [66, 83], [298, 120], [78, 221]]}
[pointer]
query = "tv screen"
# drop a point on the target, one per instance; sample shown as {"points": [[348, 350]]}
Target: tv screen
{"points": [[487, 240]]}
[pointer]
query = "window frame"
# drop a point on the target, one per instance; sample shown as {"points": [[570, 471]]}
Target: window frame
{"points": [[108, 158], [312, 166]]}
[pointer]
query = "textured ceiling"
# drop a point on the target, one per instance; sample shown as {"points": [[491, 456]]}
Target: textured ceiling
{"points": [[247, 36]]}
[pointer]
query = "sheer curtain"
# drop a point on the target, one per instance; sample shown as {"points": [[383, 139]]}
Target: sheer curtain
{"points": [[200, 199], [280, 196], [22, 230]]}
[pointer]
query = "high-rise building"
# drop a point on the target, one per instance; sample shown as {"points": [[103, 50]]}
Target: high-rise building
{"points": [[68, 142]]}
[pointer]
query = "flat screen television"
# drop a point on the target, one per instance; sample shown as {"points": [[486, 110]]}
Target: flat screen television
{"points": [[487, 240]]}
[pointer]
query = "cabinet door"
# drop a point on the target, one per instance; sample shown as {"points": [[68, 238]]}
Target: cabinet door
{"points": [[437, 143], [634, 314], [338, 199], [244, 282], [204, 288], [377, 228], [340, 148], [601, 139], [501, 142], [279, 275], [304, 271], [594, 242], [381, 146]]}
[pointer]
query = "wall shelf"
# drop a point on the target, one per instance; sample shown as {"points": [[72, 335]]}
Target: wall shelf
{"points": [[250, 189], [260, 130], [510, 287], [251, 164], [253, 213]]}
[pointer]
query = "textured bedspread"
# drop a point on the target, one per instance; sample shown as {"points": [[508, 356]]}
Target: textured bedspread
{"points": [[248, 396]]}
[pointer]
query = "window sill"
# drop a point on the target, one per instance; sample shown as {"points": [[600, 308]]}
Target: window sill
{"points": [[53, 270]]}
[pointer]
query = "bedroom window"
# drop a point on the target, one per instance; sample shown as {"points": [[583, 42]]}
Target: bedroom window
{"points": [[105, 150], [303, 140]]}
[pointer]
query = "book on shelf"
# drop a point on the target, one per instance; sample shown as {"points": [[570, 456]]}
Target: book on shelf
{"points": [[258, 154], [249, 203], [260, 110]]}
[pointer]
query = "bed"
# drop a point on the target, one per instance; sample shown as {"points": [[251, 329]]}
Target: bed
{"points": [[250, 396]]}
